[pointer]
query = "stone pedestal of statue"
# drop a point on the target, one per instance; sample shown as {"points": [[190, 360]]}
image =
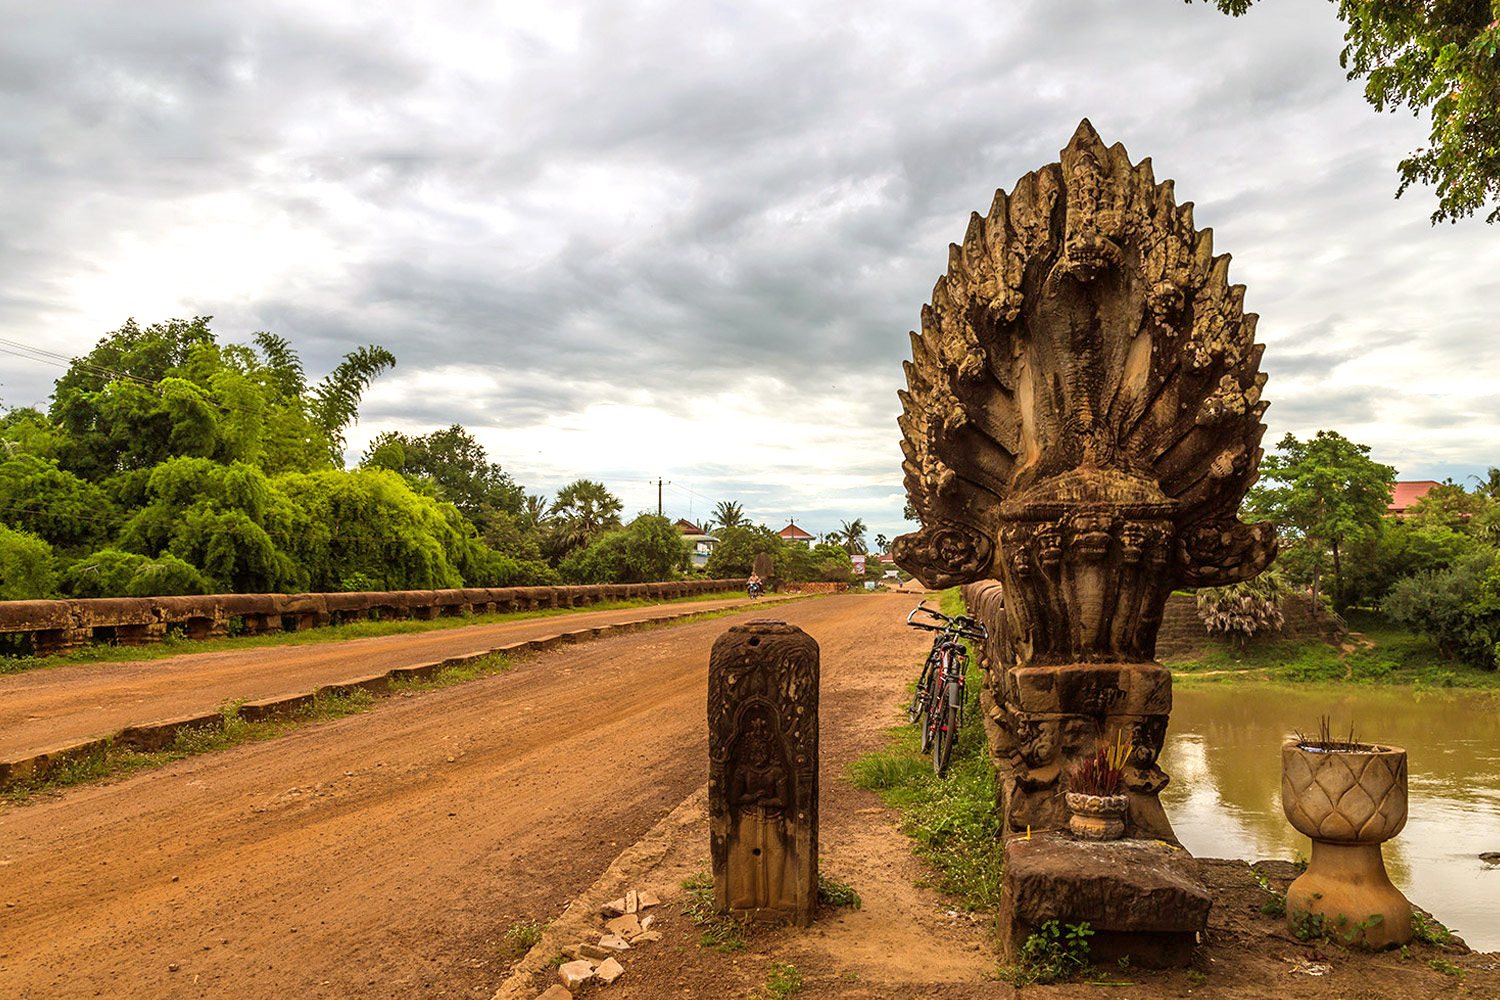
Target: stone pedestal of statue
{"points": [[1141, 898]]}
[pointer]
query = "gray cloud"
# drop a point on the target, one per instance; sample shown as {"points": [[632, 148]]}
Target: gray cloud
{"points": [[669, 202]]}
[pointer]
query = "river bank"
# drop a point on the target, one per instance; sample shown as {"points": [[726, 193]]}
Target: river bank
{"points": [[1373, 653]]}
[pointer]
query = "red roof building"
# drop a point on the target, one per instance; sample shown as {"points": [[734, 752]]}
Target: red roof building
{"points": [[792, 533], [1403, 495]]}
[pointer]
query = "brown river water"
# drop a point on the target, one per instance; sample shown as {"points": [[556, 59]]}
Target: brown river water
{"points": [[1223, 751]]}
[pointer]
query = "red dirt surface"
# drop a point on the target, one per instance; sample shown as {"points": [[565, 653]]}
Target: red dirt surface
{"points": [[387, 853], [45, 708]]}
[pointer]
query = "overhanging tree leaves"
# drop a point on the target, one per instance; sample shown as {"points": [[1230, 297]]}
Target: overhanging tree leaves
{"points": [[1329, 492], [1441, 55]]}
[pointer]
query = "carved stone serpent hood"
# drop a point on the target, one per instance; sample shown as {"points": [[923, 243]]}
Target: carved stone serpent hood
{"points": [[1082, 412]]}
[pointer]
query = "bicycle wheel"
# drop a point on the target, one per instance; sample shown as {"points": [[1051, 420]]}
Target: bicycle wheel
{"points": [[944, 735], [918, 706], [931, 705]]}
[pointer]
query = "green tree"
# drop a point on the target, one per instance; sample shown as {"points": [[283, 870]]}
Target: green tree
{"points": [[738, 546], [1441, 56], [57, 506], [833, 562], [142, 396], [334, 401], [1448, 505], [29, 431], [25, 566], [650, 548], [882, 544], [228, 521], [1458, 607], [1399, 549], [456, 465], [371, 525], [113, 573], [1490, 485], [1329, 493], [583, 510]]}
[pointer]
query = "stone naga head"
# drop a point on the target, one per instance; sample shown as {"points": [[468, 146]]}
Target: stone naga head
{"points": [[1082, 412]]}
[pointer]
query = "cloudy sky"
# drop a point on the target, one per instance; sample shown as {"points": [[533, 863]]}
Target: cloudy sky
{"points": [[687, 239]]}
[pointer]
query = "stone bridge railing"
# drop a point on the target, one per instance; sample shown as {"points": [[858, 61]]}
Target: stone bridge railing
{"points": [[58, 626]]}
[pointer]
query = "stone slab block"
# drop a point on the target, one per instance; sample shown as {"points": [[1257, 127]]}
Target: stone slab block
{"points": [[1142, 898]]}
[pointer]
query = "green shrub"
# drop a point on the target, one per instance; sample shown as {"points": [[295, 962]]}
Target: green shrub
{"points": [[1458, 607]]}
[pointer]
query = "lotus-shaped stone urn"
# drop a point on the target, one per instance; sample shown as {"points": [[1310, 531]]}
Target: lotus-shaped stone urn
{"points": [[1349, 801]]}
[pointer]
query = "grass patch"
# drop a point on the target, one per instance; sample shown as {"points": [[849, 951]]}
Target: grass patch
{"points": [[720, 931], [1378, 654], [783, 980], [521, 937], [1056, 951], [113, 762], [174, 643], [953, 820], [832, 892]]}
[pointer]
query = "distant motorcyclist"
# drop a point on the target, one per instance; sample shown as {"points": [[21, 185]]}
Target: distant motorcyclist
{"points": [[754, 587]]}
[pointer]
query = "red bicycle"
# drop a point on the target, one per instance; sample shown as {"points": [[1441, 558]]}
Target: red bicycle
{"points": [[937, 706]]}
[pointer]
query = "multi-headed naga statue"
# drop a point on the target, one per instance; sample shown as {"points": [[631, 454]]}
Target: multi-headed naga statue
{"points": [[1081, 422]]}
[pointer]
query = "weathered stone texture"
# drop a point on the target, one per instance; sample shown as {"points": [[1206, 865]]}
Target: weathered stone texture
{"points": [[1081, 422], [1141, 898], [763, 771]]}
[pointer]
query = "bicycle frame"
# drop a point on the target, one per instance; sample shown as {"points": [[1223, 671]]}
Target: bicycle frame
{"points": [[939, 699]]}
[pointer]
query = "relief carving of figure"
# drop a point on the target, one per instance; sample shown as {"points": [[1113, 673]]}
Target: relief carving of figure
{"points": [[759, 794]]}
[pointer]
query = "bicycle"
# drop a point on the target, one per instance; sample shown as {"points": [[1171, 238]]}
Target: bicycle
{"points": [[938, 703]]}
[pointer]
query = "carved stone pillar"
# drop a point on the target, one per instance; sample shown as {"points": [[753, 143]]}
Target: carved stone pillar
{"points": [[1081, 422], [763, 771]]}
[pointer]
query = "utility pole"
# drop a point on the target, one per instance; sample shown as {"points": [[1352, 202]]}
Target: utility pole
{"points": [[658, 496]]}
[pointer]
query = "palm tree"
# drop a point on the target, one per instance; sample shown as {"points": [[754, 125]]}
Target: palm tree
{"points": [[584, 510], [533, 512], [728, 514], [853, 533], [832, 538], [882, 544]]}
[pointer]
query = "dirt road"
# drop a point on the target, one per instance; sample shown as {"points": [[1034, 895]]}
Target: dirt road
{"points": [[386, 854], [48, 708]]}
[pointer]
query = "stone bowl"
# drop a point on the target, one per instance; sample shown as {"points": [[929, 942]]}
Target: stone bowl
{"points": [[1096, 817], [1344, 796], [1349, 802]]}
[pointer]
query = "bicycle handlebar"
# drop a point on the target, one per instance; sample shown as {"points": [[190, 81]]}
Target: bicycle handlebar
{"points": [[961, 624]]}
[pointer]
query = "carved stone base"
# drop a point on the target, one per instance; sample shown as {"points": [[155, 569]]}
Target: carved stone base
{"points": [[1347, 885], [1046, 720], [1142, 899]]}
